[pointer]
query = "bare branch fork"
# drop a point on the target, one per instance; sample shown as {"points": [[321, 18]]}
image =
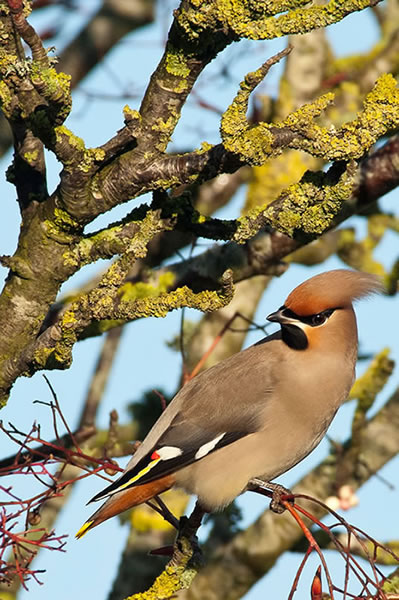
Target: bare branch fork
{"points": [[38, 462]]}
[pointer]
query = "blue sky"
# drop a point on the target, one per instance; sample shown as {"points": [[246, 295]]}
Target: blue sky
{"points": [[144, 361]]}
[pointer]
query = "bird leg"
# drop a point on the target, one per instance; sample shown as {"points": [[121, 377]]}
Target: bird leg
{"points": [[277, 492], [188, 526], [166, 513]]}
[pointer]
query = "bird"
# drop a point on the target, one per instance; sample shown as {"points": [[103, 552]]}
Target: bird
{"points": [[257, 413]]}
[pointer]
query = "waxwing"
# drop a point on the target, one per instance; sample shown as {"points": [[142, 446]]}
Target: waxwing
{"points": [[257, 413]]}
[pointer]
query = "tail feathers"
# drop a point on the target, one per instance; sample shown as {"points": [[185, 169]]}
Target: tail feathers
{"points": [[84, 529], [126, 499]]}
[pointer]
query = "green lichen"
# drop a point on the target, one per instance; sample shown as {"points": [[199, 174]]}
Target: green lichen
{"points": [[133, 291], [62, 354], [368, 385], [131, 114], [63, 221], [248, 19], [255, 145], [181, 86], [160, 306], [27, 8], [131, 236], [176, 62], [85, 158], [59, 357], [91, 157], [62, 236], [164, 126], [10, 63], [308, 206], [69, 319], [41, 357], [5, 99], [103, 244], [166, 184], [73, 140], [177, 575], [205, 147], [303, 116], [380, 113], [54, 86]]}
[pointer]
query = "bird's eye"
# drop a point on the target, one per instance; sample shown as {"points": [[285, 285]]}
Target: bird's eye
{"points": [[318, 319]]}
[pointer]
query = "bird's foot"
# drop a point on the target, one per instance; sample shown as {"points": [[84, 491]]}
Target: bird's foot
{"points": [[278, 492], [187, 540], [190, 525]]}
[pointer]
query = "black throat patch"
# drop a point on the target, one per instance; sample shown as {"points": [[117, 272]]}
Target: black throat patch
{"points": [[294, 337]]}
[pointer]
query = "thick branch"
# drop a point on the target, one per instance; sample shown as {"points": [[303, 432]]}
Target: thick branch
{"points": [[261, 254]]}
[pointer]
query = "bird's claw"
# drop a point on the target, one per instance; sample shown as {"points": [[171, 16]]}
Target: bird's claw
{"points": [[279, 491], [276, 506]]}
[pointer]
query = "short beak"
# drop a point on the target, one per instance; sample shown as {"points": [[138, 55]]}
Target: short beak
{"points": [[276, 317], [279, 317]]}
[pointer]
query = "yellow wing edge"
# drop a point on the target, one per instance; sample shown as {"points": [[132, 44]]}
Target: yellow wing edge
{"points": [[138, 476]]}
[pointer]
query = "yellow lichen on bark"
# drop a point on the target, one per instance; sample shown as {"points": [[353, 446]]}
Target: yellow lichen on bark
{"points": [[250, 19], [255, 145], [177, 575]]}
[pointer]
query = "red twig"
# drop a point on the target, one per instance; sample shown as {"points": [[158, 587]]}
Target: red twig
{"points": [[19, 547], [371, 585], [313, 545]]}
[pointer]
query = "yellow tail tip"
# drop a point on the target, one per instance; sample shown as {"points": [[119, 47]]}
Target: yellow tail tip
{"points": [[84, 529]]}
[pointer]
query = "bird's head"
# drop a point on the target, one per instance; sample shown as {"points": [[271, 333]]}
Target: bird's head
{"points": [[321, 307]]}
